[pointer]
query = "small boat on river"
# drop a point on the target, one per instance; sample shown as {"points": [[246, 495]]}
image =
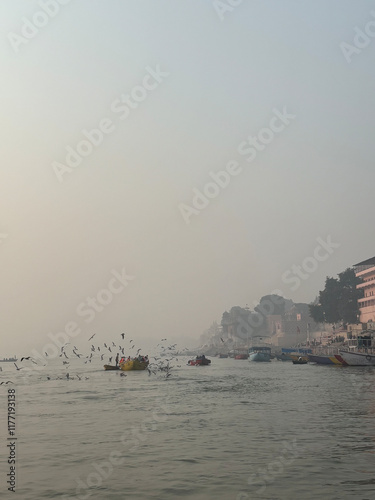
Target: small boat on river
{"points": [[134, 364], [300, 361], [199, 361], [111, 367]]}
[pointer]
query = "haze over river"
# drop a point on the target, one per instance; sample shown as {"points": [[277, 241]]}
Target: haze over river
{"points": [[235, 430]]}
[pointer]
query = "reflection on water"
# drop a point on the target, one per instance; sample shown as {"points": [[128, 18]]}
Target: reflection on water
{"points": [[234, 430]]}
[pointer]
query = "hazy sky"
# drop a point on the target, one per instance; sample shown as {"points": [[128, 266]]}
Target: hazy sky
{"points": [[204, 79]]}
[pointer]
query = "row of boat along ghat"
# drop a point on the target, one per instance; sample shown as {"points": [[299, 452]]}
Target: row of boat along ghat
{"points": [[354, 353]]}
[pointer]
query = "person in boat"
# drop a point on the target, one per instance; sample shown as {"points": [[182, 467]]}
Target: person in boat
{"points": [[117, 356], [122, 359]]}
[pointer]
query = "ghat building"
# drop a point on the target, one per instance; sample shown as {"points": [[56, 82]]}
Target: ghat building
{"points": [[366, 272]]}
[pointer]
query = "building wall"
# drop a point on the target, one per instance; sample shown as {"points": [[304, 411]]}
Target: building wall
{"points": [[367, 303]]}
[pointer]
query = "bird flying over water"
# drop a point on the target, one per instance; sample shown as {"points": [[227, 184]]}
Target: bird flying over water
{"points": [[7, 382], [92, 336], [17, 366], [123, 335]]}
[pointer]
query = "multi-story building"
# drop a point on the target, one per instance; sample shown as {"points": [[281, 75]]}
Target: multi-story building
{"points": [[366, 271]]}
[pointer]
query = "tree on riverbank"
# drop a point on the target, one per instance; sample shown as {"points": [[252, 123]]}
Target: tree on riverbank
{"points": [[339, 300]]}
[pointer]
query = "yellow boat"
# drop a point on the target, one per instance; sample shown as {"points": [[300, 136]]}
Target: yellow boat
{"points": [[133, 364]]}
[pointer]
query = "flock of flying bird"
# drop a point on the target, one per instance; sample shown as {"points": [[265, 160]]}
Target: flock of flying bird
{"points": [[106, 352]]}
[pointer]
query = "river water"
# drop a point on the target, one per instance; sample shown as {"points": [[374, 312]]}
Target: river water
{"points": [[235, 430]]}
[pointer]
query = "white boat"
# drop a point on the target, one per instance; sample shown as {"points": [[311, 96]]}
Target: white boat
{"points": [[260, 353], [353, 358], [261, 350]]}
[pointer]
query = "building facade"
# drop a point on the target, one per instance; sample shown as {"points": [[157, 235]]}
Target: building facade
{"points": [[366, 271]]}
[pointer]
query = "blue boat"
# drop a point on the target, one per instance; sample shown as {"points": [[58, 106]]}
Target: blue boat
{"points": [[260, 353]]}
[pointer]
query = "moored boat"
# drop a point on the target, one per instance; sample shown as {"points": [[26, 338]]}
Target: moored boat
{"points": [[241, 356], [241, 353], [326, 359], [260, 353], [353, 358]]}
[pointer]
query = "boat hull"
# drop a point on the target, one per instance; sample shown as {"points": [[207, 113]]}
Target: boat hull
{"points": [[259, 356], [199, 362], [133, 364], [242, 356], [111, 367], [358, 358], [322, 359]]}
